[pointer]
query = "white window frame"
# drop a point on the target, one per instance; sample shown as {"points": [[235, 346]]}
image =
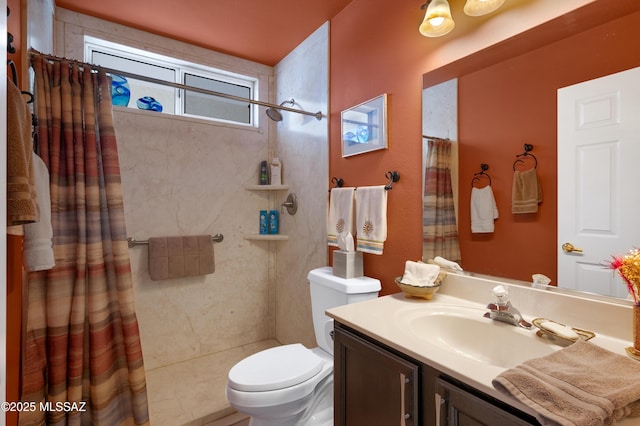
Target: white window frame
{"points": [[181, 67]]}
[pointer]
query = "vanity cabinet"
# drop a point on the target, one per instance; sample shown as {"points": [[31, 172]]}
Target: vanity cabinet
{"points": [[375, 385], [458, 407], [372, 386]]}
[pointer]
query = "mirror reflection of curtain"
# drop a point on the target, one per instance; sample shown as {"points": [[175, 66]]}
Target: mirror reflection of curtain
{"points": [[82, 344], [439, 229]]}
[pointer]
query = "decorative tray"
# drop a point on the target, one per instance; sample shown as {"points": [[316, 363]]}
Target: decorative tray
{"points": [[421, 292], [542, 332]]}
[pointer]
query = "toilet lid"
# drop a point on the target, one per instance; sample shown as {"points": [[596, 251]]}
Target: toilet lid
{"points": [[275, 368]]}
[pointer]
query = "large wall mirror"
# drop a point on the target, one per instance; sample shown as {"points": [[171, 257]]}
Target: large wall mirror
{"points": [[506, 98]]}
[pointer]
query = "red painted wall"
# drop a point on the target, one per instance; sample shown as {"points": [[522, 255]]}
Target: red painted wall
{"points": [[376, 48]]}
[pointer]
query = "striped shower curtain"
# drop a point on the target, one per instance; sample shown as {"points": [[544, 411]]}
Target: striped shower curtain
{"points": [[439, 230], [82, 360]]}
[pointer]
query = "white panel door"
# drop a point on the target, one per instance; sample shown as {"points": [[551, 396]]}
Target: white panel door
{"points": [[598, 179]]}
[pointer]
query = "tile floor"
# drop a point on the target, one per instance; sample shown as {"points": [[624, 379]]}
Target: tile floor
{"points": [[236, 419], [191, 393]]}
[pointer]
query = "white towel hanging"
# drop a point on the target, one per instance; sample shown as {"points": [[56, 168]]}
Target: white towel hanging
{"points": [[340, 217], [371, 218]]}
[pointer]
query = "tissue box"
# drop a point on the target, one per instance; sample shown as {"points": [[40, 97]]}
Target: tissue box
{"points": [[347, 264]]}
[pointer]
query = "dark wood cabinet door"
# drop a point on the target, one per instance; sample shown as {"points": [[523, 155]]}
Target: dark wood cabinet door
{"points": [[373, 386], [458, 407]]}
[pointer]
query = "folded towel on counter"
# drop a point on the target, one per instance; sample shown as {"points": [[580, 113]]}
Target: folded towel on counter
{"points": [[38, 236], [340, 217], [420, 274], [22, 206], [371, 218], [483, 210], [526, 192], [176, 257], [580, 385], [446, 264]]}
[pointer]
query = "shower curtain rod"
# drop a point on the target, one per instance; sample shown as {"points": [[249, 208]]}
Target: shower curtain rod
{"points": [[318, 115]]}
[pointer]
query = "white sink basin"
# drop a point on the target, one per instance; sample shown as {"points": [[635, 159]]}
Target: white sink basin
{"points": [[463, 331]]}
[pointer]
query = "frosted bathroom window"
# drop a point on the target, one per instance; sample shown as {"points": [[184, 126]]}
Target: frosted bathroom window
{"points": [[157, 97], [204, 105]]}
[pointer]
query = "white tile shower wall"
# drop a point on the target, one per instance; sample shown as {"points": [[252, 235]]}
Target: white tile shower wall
{"points": [[182, 178], [302, 145], [186, 176]]}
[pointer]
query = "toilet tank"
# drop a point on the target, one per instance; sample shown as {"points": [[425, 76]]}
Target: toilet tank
{"points": [[329, 291]]}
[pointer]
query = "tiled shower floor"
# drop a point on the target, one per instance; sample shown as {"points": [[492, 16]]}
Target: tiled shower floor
{"points": [[192, 392]]}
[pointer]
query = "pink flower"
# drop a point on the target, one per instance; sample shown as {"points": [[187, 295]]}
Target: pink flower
{"points": [[628, 267]]}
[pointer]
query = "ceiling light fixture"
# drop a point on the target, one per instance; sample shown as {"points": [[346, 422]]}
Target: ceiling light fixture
{"points": [[437, 21], [481, 7]]}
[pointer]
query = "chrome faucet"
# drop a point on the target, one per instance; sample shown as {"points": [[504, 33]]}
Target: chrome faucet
{"points": [[502, 310]]}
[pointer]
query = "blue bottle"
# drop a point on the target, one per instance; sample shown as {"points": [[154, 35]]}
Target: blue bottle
{"points": [[273, 222], [264, 222], [120, 92]]}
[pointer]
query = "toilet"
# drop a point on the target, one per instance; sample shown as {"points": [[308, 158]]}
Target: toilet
{"points": [[291, 384]]}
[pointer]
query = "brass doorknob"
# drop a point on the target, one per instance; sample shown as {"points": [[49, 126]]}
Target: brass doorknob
{"points": [[569, 248]]}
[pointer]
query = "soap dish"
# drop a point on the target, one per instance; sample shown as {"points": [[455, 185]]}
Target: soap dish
{"points": [[545, 332], [421, 292]]}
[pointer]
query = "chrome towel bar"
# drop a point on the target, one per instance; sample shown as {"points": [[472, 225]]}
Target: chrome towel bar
{"points": [[133, 242]]}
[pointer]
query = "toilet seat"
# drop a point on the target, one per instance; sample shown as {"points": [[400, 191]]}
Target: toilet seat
{"points": [[281, 399], [276, 368]]}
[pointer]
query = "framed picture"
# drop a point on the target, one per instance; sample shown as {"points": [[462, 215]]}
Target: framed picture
{"points": [[364, 127]]}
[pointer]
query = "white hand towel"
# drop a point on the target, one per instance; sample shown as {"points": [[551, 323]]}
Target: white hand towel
{"points": [[420, 274], [483, 210], [371, 218], [38, 249], [447, 264], [340, 217]]}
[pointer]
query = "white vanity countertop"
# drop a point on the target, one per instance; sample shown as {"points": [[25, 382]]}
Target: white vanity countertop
{"points": [[384, 319]]}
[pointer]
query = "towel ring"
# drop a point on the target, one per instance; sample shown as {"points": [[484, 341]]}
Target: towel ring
{"points": [[527, 148], [478, 176]]}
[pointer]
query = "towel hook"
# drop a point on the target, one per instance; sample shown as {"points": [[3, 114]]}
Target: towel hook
{"points": [[338, 182], [527, 148], [483, 172], [393, 177]]}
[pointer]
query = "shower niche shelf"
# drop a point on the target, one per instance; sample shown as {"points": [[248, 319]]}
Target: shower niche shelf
{"points": [[266, 187], [266, 237]]}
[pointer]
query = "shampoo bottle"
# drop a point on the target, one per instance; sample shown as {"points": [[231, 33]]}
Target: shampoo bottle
{"points": [[264, 173], [276, 171], [264, 222], [274, 226]]}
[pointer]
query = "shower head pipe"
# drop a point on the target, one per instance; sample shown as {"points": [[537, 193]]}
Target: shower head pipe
{"points": [[276, 115], [273, 112]]}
